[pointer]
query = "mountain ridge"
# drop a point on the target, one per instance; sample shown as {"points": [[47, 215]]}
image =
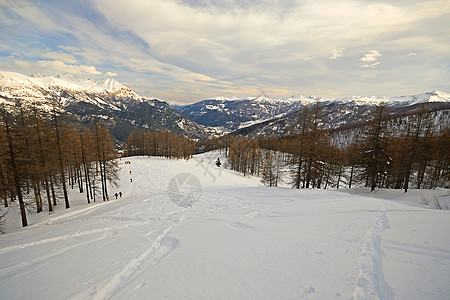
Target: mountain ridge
{"points": [[121, 107], [231, 114], [85, 99]]}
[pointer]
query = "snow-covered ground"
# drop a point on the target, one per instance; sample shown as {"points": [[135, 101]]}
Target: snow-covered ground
{"points": [[190, 230]]}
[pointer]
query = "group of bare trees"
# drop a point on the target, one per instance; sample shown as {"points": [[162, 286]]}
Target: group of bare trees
{"points": [[160, 143], [275, 159], [379, 157], [41, 157], [307, 159], [417, 156]]}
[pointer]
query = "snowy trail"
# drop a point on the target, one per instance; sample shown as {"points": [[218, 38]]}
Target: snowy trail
{"points": [[371, 284], [238, 240]]}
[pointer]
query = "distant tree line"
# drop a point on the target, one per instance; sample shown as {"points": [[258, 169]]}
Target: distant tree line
{"points": [[41, 157], [159, 143], [417, 157]]}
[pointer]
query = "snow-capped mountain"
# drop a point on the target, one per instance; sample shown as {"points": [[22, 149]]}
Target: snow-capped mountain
{"points": [[83, 99], [346, 117], [232, 114], [32, 86]]}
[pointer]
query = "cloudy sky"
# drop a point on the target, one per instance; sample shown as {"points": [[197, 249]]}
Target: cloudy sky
{"points": [[189, 50]]}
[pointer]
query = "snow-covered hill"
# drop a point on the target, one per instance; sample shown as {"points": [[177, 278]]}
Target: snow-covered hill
{"points": [[232, 239], [231, 114], [83, 99]]}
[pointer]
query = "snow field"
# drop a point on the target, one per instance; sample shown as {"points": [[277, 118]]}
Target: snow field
{"points": [[233, 239]]}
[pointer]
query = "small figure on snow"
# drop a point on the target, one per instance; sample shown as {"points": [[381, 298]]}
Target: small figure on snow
{"points": [[116, 195], [218, 163], [120, 194]]}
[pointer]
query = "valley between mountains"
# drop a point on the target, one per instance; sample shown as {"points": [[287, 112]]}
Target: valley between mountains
{"points": [[82, 100]]}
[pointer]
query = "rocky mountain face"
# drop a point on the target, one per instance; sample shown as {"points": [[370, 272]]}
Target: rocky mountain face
{"points": [[230, 114], [83, 99]]}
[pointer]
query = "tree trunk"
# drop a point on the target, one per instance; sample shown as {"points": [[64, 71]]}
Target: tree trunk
{"points": [[61, 166], [15, 171]]}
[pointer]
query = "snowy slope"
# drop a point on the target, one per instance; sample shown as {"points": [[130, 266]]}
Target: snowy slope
{"points": [[213, 234]]}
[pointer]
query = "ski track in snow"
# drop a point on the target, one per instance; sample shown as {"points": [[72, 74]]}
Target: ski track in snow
{"points": [[67, 236], [162, 246], [432, 252], [69, 216], [28, 265], [370, 284]]}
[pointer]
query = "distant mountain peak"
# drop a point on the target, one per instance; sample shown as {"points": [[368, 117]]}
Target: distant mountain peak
{"points": [[85, 99], [262, 95], [439, 94], [111, 85], [40, 75]]}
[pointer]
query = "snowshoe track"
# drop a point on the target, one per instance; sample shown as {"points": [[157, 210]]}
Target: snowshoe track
{"points": [[370, 283]]}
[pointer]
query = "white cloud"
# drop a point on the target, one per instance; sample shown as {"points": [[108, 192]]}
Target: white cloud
{"points": [[370, 59], [373, 65], [61, 67], [412, 54], [22, 64], [64, 57], [14, 55], [69, 48], [337, 53], [371, 56], [111, 74], [29, 12], [54, 67]]}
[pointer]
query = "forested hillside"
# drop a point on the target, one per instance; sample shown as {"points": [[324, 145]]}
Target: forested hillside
{"points": [[43, 156], [416, 156]]}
